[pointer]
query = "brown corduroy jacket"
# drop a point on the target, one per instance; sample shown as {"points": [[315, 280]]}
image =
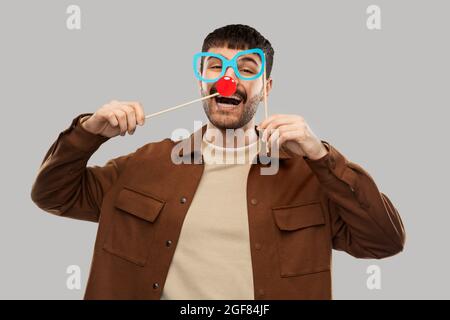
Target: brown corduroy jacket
{"points": [[296, 216]]}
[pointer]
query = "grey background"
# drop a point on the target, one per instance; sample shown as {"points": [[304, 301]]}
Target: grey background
{"points": [[380, 97]]}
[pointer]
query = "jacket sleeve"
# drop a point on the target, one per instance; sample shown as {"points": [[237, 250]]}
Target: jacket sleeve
{"points": [[364, 222], [64, 185]]}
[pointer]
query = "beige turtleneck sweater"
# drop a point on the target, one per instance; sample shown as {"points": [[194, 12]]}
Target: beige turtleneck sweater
{"points": [[212, 259]]}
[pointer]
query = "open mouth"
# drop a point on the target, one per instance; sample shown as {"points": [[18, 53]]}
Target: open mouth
{"points": [[228, 102]]}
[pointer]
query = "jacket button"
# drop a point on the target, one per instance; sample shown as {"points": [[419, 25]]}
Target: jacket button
{"points": [[253, 201], [258, 246], [156, 285], [183, 200], [168, 243], [260, 292]]}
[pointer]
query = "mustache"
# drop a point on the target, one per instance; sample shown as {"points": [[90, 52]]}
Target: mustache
{"points": [[239, 93]]}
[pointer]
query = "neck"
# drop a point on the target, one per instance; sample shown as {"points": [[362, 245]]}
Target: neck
{"points": [[231, 138]]}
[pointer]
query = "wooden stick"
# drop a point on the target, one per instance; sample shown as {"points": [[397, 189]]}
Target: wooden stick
{"points": [[266, 110], [181, 105]]}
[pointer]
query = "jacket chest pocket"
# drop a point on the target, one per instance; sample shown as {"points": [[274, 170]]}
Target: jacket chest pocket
{"points": [[132, 227], [303, 242]]}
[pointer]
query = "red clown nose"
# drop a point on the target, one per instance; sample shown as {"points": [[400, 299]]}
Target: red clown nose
{"points": [[226, 86]]}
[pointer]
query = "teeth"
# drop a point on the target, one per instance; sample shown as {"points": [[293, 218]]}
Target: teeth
{"points": [[231, 97], [227, 105]]}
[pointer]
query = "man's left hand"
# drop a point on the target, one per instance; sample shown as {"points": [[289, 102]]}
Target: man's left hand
{"points": [[293, 134]]}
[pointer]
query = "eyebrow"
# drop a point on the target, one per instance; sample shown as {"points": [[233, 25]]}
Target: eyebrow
{"points": [[249, 59], [212, 57], [244, 58]]}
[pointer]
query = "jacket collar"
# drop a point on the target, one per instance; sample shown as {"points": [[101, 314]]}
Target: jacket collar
{"points": [[192, 145]]}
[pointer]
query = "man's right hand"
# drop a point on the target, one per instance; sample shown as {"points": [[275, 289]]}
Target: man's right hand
{"points": [[114, 118]]}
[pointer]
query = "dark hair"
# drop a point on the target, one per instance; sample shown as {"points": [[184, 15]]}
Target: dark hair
{"points": [[239, 37]]}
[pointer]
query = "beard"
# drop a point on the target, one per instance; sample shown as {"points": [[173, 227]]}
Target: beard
{"points": [[234, 119]]}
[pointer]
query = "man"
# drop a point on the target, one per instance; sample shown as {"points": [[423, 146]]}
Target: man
{"points": [[211, 230]]}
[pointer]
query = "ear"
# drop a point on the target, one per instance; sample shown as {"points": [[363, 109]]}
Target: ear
{"points": [[269, 85]]}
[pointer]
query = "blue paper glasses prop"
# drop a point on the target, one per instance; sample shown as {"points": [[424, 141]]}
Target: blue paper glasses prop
{"points": [[247, 65]]}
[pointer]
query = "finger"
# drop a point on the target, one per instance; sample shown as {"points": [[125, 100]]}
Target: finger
{"points": [[275, 123], [282, 120], [112, 119], [276, 142], [266, 133], [140, 114], [273, 137], [287, 136], [275, 145], [131, 118], [122, 118], [139, 111], [266, 121], [282, 128], [276, 118], [109, 116]]}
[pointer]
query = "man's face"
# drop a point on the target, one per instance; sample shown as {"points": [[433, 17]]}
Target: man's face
{"points": [[249, 93]]}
